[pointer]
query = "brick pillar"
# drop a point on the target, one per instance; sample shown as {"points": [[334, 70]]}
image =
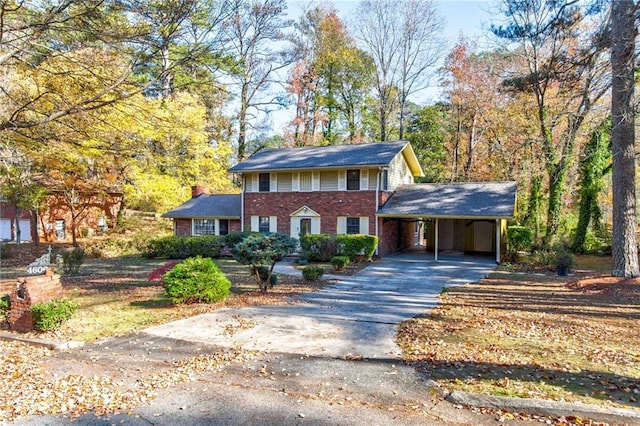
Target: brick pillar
{"points": [[27, 292]]}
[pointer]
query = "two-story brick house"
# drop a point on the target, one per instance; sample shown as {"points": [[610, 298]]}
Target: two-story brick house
{"points": [[363, 189]]}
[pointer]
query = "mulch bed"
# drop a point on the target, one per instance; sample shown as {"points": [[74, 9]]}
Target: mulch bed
{"points": [[617, 287], [158, 273]]}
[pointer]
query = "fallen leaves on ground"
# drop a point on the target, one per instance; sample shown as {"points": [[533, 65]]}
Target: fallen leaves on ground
{"points": [[529, 335], [29, 389]]}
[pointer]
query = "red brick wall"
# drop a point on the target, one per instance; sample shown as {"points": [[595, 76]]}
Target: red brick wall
{"points": [[329, 205], [388, 242], [34, 289]]}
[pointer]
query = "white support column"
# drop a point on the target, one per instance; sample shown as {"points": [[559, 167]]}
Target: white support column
{"points": [[498, 229], [436, 241]]}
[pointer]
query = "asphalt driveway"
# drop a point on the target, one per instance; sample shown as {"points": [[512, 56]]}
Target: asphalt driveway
{"points": [[356, 317]]}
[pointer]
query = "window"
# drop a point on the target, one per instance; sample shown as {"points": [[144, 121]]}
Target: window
{"points": [[204, 227], [385, 180], [264, 182], [353, 225], [353, 180], [305, 181], [224, 226], [263, 224]]}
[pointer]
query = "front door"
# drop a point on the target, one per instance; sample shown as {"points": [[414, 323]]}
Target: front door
{"points": [[305, 226]]}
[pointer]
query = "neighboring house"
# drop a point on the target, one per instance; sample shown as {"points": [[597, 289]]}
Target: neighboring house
{"points": [[8, 229], [89, 213], [366, 189], [206, 214]]}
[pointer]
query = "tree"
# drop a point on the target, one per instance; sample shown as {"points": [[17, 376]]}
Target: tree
{"points": [[402, 38], [565, 73], [595, 163], [263, 250], [426, 132], [623, 34], [256, 39]]}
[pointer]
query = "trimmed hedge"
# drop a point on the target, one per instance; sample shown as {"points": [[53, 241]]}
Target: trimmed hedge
{"points": [[312, 273], [339, 262], [178, 247], [357, 245], [196, 279], [318, 247], [52, 314]]}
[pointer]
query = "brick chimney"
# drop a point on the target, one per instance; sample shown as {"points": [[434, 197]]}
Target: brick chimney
{"points": [[198, 190]]}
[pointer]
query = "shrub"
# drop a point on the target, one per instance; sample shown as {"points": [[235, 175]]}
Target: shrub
{"points": [[5, 306], [339, 262], [178, 247], [233, 238], [318, 247], [72, 260], [263, 249], [196, 279], [312, 273], [263, 274], [356, 245], [519, 238], [52, 314]]}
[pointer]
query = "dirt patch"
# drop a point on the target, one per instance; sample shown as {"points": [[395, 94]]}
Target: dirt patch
{"points": [[617, 287]]}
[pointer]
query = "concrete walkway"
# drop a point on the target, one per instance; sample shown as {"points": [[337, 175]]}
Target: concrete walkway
{"points": [[356, 317]]}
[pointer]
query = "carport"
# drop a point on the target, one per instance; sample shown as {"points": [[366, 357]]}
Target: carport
{"points": [[469, 216]]}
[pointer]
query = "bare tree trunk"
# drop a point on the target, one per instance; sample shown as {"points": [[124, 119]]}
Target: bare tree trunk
{"points": [[624, 245]]}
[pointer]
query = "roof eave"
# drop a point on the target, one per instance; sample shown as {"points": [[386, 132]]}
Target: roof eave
{"points": [[437, 216], [412, 160]]}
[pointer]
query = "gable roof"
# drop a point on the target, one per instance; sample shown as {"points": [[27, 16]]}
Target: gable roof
{"points": [[377, 154], [206, 206], [490, 200]]}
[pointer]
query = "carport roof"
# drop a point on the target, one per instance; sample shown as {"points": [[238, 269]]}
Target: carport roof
{"points": [[489, 200], [207, 206]]}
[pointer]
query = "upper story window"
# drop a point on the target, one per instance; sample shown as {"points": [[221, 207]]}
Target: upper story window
{"points": [[264, 182], [384, 185], [353, 180], [353, 225]]}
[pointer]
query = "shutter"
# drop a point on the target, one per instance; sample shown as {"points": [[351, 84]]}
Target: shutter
{"points": [[315, 181], [254, 182], [273, 185], [342, 180], [364, 225], [295, 182], [364, 179], [273, 223], [255, 223], [342, 225], [315, 225]]}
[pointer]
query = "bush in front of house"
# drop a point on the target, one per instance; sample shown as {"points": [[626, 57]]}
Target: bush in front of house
{"points": [[339, 262], [318, 247], [5, 306], [72, 260], [519, 238], [258, 250], [52, 314], [263, 274], [196, 279], [178, 247], [356, 246], [312, 273], [233, 238]]}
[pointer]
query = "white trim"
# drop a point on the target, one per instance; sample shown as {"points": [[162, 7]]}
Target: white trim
{"points": [[436, 241], [273, 223], [295, 182], [364, 225], [498, 229], [315, 181], [273, 182], [255, 185], [364, 179], [341, 226], [255, 223], [342, 180]]}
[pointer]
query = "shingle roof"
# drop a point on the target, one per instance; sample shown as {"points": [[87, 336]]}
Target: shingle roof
{"points": [[473, 200], [204, 206], [338, 156]]}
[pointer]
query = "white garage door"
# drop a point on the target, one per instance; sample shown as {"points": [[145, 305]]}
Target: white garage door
{"points": [[5, 229], [25, 230]]}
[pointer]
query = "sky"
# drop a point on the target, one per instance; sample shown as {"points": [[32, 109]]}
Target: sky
{"points": [[469, 17]]}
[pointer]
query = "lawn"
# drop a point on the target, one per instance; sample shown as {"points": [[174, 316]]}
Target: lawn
{"points": [[535, 335], [116, 297]]}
